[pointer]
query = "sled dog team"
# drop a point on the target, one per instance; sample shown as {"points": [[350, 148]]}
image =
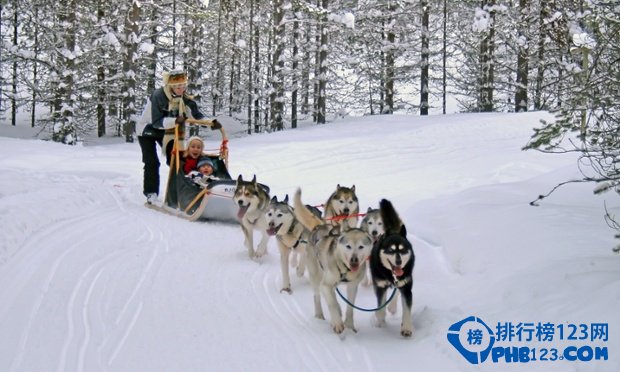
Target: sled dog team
{"points": [[332, 248]]}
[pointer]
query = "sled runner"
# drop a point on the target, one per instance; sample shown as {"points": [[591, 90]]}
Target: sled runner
{"points": [[186, 199]]}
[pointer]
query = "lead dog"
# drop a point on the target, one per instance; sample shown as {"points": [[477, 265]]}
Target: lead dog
{"points": [[291, 235], [333, 257], [252, 201], [391, 265]]}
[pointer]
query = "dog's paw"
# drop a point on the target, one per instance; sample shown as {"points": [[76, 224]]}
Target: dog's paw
{"points": [[338, 327], [287, 290], [406, 332], [378, 322], [260, 252]]}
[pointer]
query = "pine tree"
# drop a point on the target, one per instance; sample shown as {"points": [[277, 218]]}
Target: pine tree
{"points": [[588, 122]]}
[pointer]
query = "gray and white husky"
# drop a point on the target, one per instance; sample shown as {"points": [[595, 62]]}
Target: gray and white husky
{"points": [[333, 257], [342, 207], [373, 225], [252, 200], [291, 235]]}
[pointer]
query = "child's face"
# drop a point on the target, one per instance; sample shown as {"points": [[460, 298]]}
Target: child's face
{"points": [[206, 170], [195, 149]]}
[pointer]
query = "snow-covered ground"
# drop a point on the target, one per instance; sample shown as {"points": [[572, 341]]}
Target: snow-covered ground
{"points": [[91, 280]]}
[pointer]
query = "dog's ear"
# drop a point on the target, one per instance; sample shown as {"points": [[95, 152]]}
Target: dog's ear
{"points": [[353, 188], [368, 210], [239, 179], [254, 179], [285, 199], [335, 231], [403, 231], [274, 199]]}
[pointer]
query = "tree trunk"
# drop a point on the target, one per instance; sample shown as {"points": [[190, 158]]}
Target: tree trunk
{"points": [[321, 106], [295, 67], [152, 76], [101, 92], [425, 60], [390, 61], [64, 103], [129, 68], [14, 77], [216, 89], [256, 79], [305, 73], [487, 48], [35, 72], [522, 58], [232, 104], [277, 68], [540, 68], [250, 77], [444, 72]]}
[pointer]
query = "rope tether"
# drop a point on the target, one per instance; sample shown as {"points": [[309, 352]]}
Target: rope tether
{"points": [[364, 309]]}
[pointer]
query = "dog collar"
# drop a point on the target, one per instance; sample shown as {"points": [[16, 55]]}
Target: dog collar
{"points": [[401, 282], [292, 228], [343, 275]]}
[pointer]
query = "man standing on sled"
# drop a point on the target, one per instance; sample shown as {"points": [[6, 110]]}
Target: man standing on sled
{"points": [[167, 109]]}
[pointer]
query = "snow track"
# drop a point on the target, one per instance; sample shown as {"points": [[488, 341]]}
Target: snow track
{"points": [[91, 280]]}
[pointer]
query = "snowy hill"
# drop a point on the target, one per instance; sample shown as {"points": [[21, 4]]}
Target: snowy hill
{"points": [[94, 281]]}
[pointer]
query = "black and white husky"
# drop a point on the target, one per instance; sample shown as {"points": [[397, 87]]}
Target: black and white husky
{"points": [[391, 265]]}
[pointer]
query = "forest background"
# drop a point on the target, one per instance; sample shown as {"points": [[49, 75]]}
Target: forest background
{"points": [[86, 67]]}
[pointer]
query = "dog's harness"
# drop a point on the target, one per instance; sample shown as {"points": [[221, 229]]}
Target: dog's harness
{"points": [[396, 282], [290, 231]]}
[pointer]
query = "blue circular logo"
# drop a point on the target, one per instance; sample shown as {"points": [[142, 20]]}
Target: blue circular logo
{"points": [[472, 338]]}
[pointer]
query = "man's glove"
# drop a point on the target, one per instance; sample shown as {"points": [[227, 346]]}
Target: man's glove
{"points": [[180, 120], [215, 124]]}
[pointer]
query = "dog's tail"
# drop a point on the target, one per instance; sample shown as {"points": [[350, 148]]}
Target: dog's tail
{"points": [[308, 219], [391, 220]]}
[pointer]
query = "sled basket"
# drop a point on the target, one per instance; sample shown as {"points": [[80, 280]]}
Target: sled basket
{"points": [[184, 198]]}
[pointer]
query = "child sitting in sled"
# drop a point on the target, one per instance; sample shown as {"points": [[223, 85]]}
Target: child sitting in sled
{"points": [[192, 154], [203, 173]]}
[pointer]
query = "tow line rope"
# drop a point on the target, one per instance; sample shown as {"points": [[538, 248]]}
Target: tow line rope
{"points": [[342, 216], [364, 309]]}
